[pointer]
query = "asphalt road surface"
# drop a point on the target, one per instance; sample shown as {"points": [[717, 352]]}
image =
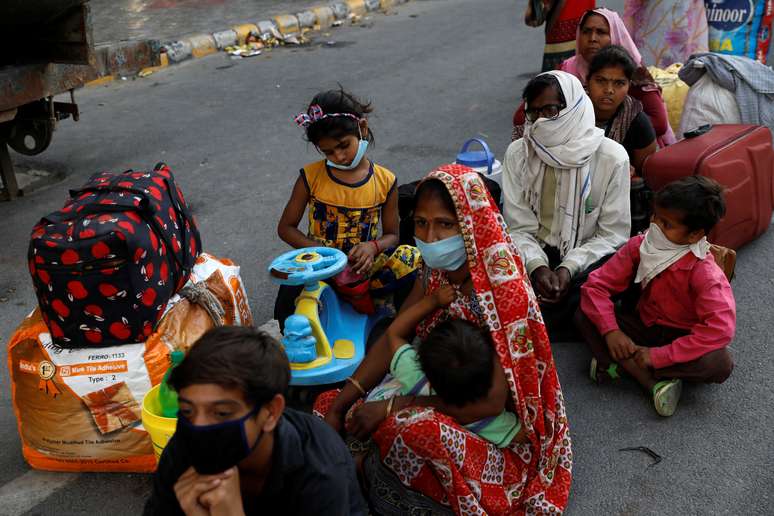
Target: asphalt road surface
{"points": [[438, 72]]}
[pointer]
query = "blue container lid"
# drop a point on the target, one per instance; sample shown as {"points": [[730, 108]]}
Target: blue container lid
{"points": [[475, 159]]}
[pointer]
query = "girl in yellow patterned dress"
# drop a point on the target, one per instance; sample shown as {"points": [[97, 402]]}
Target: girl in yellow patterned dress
{"points": [[346, 197]]}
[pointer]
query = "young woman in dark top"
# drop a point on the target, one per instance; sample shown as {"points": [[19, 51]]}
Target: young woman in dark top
{"points": [[620, 115]]}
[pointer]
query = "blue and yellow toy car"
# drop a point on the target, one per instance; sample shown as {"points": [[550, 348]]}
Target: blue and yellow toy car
{"points": [[325, 339]]}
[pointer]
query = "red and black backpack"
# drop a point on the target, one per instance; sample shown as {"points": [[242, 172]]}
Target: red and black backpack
{"points": [[105, 265]]}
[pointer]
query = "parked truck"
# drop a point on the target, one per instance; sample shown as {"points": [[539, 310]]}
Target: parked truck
{"points": [[46, 49]]}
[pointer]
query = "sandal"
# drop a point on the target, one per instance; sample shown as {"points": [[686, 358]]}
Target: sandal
{"points": [[600, 375], [666, 395]]}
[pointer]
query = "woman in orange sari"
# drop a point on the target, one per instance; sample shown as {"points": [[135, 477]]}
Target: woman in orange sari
{"points": [[424, 454]]}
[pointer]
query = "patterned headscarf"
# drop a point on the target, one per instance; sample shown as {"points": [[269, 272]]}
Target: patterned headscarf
{"points": [[512, 315]]}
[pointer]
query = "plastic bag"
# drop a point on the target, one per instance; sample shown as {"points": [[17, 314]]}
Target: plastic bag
{"points": [[740, 27], [673, 90], [708, 103], [182, 327]]}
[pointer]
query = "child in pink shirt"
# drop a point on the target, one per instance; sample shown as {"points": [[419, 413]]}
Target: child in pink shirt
{"points": [[685, 314]]}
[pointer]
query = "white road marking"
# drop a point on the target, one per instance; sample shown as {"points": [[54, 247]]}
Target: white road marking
{"points": [[28, 490]]}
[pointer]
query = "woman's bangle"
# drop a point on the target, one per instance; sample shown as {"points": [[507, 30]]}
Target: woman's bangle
{"points": [[376, 245], [357, 385], [389, 406]]}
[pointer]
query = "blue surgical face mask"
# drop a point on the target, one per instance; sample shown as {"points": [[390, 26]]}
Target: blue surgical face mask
{"points": [[361, 150], [448, 254]]}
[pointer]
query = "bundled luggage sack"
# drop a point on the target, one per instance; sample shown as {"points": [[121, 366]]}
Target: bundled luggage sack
{"points": [[708, 103], [106, 264], [739, 157], [80, 409], [673, 90], [214, 296]]}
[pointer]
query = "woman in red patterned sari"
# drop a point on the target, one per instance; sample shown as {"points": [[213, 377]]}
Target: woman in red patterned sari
{"points": [[430, 452]]}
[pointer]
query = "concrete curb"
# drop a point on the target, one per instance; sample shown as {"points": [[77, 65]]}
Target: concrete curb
{"points": [[146, 57], [287, 24], [225, 38], [124, 59], [245, 30], [323, 16]]}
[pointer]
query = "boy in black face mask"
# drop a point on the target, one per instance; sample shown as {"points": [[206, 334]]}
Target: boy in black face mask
{"points": [[238, 449]]}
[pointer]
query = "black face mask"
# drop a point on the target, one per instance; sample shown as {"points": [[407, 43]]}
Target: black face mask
{"points": [[215, 448]]}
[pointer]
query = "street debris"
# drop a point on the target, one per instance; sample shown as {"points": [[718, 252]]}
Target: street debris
{"points": [[271, 37], [292, 40], [247, 50], [333, 43], [644, 449]]}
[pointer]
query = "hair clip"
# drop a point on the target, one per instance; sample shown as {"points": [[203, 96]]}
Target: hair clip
{"points": [[315, 114]]}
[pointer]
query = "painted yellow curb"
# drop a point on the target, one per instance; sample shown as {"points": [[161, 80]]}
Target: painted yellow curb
{"points": [[357, 7], [164, 58], [102, 80], [287, 24], [324, 17], [201, 52], [202, 45], [243, 31]]}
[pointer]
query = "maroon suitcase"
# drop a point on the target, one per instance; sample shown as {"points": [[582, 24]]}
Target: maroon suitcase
{"points": [[739, 157]]}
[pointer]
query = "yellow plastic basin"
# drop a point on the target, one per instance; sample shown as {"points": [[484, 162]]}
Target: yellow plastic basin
{"points": [[159, 428]]}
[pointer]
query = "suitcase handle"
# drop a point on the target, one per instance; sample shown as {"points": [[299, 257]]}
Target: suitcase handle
{"points": [[698, 131], [188, 261], [91, 209]]}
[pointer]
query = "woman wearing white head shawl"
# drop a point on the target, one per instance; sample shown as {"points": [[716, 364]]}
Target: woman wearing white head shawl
{"points": [[566, 190]]}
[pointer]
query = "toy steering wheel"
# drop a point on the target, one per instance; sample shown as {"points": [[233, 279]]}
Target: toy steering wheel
{"points": [[307, 266]]}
